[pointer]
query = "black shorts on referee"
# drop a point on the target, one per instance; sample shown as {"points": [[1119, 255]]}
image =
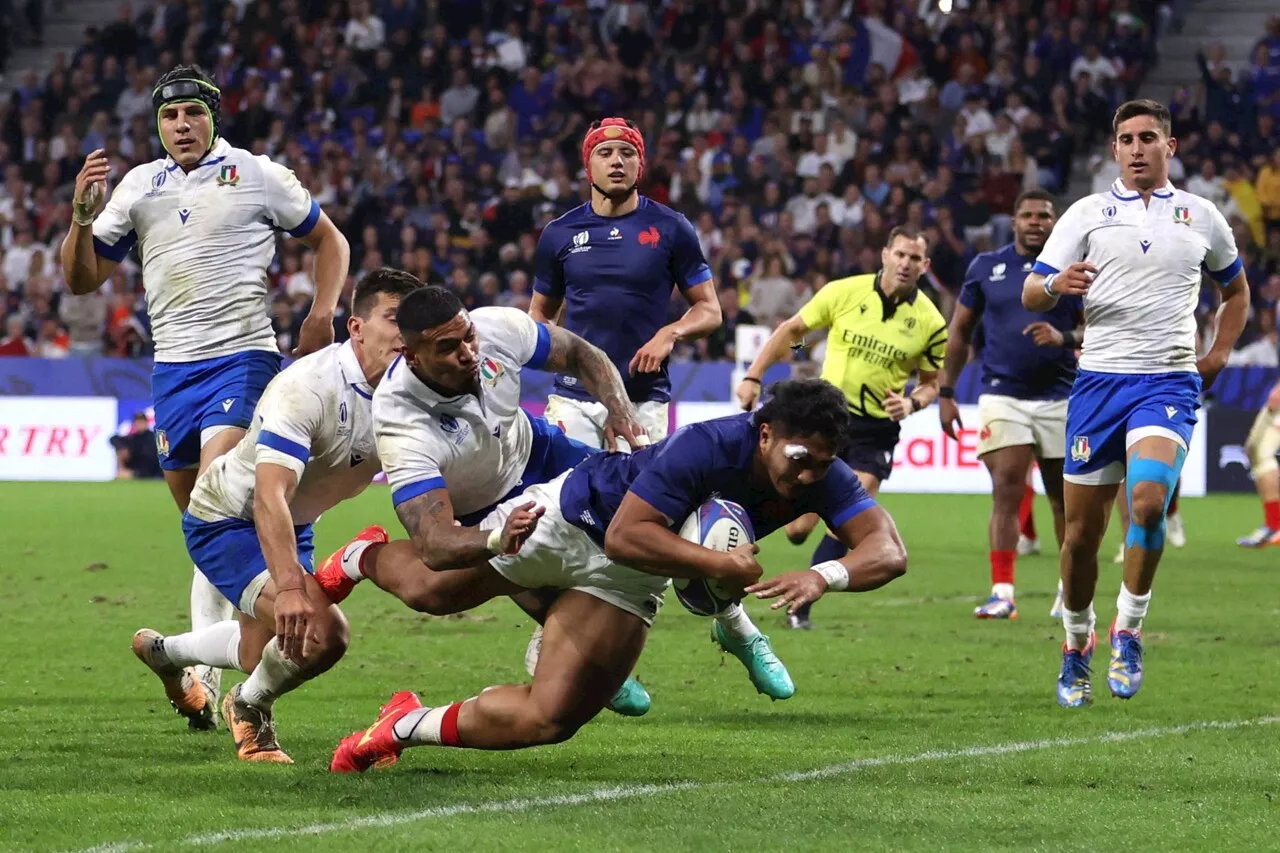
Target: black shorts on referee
{"points": [[871, 445]]}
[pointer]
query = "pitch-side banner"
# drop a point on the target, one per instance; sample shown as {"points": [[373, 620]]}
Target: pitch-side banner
{"points": [[926, 460], [57, 438]]}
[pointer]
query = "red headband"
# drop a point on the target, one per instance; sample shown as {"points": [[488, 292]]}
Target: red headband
{"points": [[610, 130]]}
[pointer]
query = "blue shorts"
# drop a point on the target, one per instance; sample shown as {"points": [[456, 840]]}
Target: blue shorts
{"points": [[192, 396], [1107, 412], [229, 555], [551, 455]]}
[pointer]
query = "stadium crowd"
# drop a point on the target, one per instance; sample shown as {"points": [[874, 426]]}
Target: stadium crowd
{"points": [[442, 135]]}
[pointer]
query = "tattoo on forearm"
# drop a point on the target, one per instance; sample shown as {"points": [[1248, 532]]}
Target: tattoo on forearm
{"points": [[575, 356]]}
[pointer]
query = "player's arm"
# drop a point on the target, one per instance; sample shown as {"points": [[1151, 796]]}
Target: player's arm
{"points": [[574, 356], [87, 263], [444, 545], [1224, 265], [701, 319], [789, 334], [1059, 270], [548, 279], [545, 308], [333, 259]]}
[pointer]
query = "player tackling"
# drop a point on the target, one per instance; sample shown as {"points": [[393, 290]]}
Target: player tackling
{"points": [[1136, 255], [205, 220]]}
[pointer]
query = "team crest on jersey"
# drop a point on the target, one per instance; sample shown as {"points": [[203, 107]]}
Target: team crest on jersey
{"points": [[490, 372], [997, 272], [650, 237], [1080, 450], [162, 443], [228, 177], [1182, 215]]}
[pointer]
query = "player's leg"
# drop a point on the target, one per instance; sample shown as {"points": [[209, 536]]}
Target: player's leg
{"points": [[1122, 513], [1028, 541], [1006, 446], [1049, 422], [1176, 531], [798, 531], [1262, 444], [576, 419]]}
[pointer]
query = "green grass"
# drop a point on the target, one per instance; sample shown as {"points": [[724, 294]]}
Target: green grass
{"points": [[91, 755]]}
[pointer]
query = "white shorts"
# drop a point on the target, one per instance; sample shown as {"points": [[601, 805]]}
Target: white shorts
{"points": [[1010, 422], [562, 556], [584, 421]]}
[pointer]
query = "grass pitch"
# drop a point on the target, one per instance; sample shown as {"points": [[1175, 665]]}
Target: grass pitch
{"points": [[915, 727]]}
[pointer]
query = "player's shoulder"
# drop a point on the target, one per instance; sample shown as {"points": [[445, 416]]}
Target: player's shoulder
{"points": [[143, 177], [657, 211], [573, 219], [500, 319], [1195, 204], [708, 442], [318, 372]]}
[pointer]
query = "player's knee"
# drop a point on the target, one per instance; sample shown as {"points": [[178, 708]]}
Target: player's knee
{"points": [[329, 644], [1147, 505], [426, 599], [544, 730]]}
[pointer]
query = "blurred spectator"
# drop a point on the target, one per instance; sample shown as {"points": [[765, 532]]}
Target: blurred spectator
{"points": [[136, 455]]}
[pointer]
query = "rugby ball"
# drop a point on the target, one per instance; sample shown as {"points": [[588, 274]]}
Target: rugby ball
{"points": [[721, 526]]}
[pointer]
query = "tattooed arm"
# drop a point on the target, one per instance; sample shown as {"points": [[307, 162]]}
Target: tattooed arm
{"points": [[443, 545], [572, 355]]}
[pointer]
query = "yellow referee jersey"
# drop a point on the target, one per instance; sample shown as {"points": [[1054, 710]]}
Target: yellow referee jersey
{"points": [[875, 344]]}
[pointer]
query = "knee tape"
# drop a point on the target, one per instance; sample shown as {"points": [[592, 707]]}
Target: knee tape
{"points": [[1143, 470]]}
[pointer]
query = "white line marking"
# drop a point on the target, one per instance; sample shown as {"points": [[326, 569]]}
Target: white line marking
{"points": [[633, 792]]}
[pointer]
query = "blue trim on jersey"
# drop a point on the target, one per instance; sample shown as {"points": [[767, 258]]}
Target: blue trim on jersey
{"points": [[1224, 276], [1041, 268], [392, 368], [301, 452], [307, 225], [358, 390], [697, 278], [411, 491], [852, 511], [212, 162], [1126, 197], [541, 349], [117, 252], [540, 286]]}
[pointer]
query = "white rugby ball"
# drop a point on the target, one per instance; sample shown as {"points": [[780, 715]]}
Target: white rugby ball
{"points": [[721, 526]]}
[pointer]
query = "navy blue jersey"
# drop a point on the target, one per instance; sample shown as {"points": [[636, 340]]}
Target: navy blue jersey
{"points": [[616, 274], [693, 465], [1012, 364]]}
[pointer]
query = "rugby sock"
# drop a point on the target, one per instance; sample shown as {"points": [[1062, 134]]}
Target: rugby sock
{"points": [[736, 623], [353, 559], [1002, 572], [1079, 627], [1130, 610], [1026, 513], [274, 676], [828, 549], [215, 646], [434, 726], [208, 607], [1271, 512]]}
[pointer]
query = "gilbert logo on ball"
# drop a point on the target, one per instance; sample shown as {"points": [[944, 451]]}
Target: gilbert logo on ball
{"points": [[719, 525]]}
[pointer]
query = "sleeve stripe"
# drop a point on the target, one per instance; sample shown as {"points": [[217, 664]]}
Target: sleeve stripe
{"points": [[307, 225], [286, 446], [703, 274], [1041, 268], [1224, 276], [942, 330], [541, 349], [850, 512], [412, 490], [543, 287], [117, 252]]}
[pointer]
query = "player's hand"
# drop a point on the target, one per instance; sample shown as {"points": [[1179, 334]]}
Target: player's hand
{"points": [[748, 394], [294, 613], [649, 358], [624, 425], [1209, 367], [949, 415], [897, 406], [739, 568], [793, 590], [1075, 279], [315, 335], [91, 187], [520, 526], [1044, 335]]}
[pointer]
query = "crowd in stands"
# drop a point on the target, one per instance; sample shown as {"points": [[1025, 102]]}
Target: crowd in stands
{"points": [[442, 135]]}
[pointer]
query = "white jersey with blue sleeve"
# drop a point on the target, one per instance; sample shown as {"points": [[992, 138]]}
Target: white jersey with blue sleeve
{"points": [[206, 239], [1140, 308], [316, 419], [475, 445]]}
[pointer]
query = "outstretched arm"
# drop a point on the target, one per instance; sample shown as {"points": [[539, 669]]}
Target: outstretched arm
{"points": [[572, 354], [444, 545]]}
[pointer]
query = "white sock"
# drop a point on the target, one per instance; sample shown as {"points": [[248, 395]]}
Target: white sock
{"points": [[420, 727], [215, 646], [736, 622], [1002, 590], [208, 607], [1130, 610], [351, 557], [274, 676], [1079, 626]]}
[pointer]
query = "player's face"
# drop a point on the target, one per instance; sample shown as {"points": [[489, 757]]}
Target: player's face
{"points": [[448, 355], [1032, 224], [377, 334], [1143, 150], [615, 167], [185, 129], [794, 463], [904, 262]]}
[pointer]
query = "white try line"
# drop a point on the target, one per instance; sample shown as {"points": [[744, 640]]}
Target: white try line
{"points": [[635, 792]]}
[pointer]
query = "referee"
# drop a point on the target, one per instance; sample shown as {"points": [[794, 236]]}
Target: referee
{"points": [[882, 329]]}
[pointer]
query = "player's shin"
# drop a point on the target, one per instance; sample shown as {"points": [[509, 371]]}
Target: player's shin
{"points": [[1079, 625], [274, 676], [208, 607], [218, 645]]}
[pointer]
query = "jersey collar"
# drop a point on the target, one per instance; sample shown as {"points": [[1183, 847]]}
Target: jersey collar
{"points": [[1120, 191], [890, 306], [352, 372], [216, 154]]}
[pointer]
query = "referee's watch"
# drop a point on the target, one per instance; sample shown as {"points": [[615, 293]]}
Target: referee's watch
{"points": [[916, 405]]}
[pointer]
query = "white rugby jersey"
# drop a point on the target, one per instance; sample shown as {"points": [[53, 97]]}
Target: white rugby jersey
{"points": [[206, 238], [1139, 312], [315, 418], [476, 447]]}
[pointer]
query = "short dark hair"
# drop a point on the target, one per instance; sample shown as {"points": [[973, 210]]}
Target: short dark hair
{"points": [[908, 231], [386, 280], [426, 308], [1143, 107], [1036, 194], [803, 407]]}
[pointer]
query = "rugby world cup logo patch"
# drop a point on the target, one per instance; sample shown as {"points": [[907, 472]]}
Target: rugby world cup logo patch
{"points": [[490, 372]]}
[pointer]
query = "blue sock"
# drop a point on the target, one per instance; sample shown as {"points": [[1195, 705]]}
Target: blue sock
{"points": [[828, 549]]}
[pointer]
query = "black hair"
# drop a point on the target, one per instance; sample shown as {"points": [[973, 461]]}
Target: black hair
{"points": [[1143, 107], [805, 407], [386, 280], [426, 308], [1033, 195]]}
